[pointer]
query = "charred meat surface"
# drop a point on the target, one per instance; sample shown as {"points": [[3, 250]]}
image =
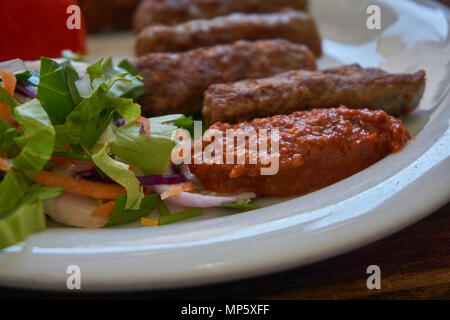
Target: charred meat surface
{"points": [[151, 12], [295, 26], [176, 82], [350, 85], [316, 148], [108, 14]]}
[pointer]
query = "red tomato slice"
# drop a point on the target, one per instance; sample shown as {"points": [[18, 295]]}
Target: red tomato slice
{"points": [[31, 29]]}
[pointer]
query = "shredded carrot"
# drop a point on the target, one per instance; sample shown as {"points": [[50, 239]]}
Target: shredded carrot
{"points": [[145, 122], [175, 189], [82, 187], [9, 84], [105, 210], [4, 164], [9, 81]]}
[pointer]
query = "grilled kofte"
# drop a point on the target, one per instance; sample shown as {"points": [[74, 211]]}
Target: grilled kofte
{"points": [[176, 82], [151, 12], [350, 85], [316, 148], [295, 26]]}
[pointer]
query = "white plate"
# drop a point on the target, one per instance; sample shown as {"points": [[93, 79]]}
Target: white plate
{"points": [[372, 204]]}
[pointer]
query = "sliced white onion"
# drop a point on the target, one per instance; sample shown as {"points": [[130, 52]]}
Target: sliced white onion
{"points": [[198, 200], [74, 210], [13, 65]]}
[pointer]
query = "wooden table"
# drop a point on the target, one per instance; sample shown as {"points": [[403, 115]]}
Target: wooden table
{"points": [[414, 263]]}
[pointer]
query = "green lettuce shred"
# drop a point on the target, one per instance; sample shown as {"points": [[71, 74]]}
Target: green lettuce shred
{"points": [[122, 215], [134, 147], [7, 135], [86, 123], [240, 206], [123, 84], [17, 226], [12, 190], [38, 140], [21, 211], [120, 173], [54, 90]]}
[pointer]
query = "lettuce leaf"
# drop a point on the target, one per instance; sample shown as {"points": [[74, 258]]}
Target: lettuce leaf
{"points": [[127, 65], [18, 225], [178, 120], [122, 215], [16, 189], [36, 192], [86, 123], [123, 83], [71, 78], [240, 206], [38, 140], [179, 216], [7, 135], [54, 89], [28, 213], [21, 210], [12, 190], [152, 156], [120, 173], [96, 99], [185, 123]]}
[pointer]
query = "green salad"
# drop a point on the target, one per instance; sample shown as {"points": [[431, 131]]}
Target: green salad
{"points": [[74, 140]]}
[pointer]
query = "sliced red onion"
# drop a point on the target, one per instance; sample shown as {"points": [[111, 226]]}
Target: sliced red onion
{"points": [[197, 200], [27, 91], [84, 174], [121, 122], [163, 179], [93, 175]]}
